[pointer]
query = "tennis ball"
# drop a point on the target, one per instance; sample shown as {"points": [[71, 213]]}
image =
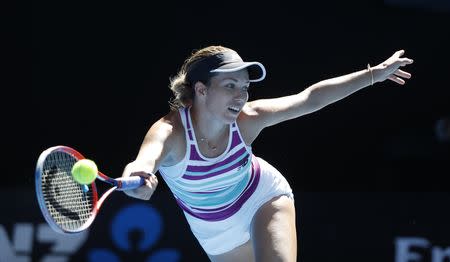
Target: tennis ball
{"points": [[84, 171]]}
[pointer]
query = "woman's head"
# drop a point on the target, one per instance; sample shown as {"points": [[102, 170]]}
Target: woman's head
{"points": [[204, 64]]}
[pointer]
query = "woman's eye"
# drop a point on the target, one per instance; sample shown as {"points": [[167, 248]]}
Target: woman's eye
{"points": [[234, 86]]}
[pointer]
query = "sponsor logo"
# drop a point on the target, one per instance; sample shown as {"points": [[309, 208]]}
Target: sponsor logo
{"points": [[412, 249]]}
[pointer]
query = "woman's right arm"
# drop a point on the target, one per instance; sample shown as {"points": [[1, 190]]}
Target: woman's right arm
{"points": [[155, 150]]}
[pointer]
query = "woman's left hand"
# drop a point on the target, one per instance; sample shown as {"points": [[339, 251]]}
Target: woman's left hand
{"points": [[390, 69]]}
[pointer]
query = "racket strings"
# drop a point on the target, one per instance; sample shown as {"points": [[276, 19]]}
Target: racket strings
{"points": [[68, 204]]}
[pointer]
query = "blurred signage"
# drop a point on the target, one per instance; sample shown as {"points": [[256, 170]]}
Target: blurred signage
{"points": [[390, 226]]}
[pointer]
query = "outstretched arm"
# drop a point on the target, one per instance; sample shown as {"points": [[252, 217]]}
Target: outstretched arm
{"points": [[267, 112], [154, 151], [331, 90]]}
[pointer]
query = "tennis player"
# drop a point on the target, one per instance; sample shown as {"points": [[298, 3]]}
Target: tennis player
{"points": [[238, 206]]}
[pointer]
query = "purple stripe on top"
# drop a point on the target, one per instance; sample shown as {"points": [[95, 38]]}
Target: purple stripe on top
{"points": [[216, 165], [212, 174], [194, 154], [235, 139], [191, 137], [186, 114], [230, 209]]}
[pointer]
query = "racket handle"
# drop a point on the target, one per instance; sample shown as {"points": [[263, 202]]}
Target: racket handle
{"points": [[132, 182]]}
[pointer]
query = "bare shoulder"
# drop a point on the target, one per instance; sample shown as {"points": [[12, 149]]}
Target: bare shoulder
{"points": [[169, 131], [248, 123], [166, 124], [247, 115]]}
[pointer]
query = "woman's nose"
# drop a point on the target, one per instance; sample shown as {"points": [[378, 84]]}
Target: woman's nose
{"points": [[241, 94]]}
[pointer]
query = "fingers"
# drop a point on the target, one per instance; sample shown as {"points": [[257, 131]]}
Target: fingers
{"points": [[406, 61], [392, 67], [402, 73], [141, 174], [146, 191], [396, 79], [399, 53], [151, 181]]}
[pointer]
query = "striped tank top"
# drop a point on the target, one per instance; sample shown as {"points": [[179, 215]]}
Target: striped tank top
{"points": [[212, 189]]}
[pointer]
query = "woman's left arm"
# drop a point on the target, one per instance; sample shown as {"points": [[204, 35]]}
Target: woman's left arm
{"points": [[262, 113], [331, 90]]}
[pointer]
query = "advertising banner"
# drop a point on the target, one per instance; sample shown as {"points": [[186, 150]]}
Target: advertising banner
{"points": [[331, 226]]}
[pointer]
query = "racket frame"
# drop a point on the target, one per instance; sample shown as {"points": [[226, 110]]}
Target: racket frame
{"points": [[117, 184]]}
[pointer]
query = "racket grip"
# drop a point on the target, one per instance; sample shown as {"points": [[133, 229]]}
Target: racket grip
{"points": [[132, 182]]}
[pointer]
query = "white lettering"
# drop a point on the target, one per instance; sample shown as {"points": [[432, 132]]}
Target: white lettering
{"points": [[20, 247], [403, 245], [439, 254], [7, 250], [23, 237], [67, 244]]}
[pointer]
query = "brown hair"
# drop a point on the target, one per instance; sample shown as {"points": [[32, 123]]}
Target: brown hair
{"points": [[182, 89]]}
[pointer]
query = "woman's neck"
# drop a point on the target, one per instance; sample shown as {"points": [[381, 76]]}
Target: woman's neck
{"points": [[206, 126]]}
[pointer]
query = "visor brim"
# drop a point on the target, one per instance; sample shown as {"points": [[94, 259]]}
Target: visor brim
{"points": [[256, 70]]}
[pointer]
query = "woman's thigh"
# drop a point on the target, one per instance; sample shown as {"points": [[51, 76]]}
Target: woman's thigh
{"points": [[273, 231], [273, 235]]}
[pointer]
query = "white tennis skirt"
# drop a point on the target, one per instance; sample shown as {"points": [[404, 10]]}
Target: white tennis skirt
{"points": [[219, 237]]}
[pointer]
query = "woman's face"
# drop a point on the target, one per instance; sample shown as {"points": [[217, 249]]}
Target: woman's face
{"points": [[227, 94]]}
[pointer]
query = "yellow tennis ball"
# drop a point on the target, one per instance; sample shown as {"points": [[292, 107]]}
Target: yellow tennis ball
{"points": [[84, 171]]}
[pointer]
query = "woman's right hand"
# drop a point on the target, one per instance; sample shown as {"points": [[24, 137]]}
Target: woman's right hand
{"points": [[145, 191], [389, 69]]}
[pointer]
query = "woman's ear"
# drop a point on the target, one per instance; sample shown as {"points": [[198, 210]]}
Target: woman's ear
{"points": [[200, 89]]}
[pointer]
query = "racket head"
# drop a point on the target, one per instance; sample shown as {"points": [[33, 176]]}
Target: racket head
{"points": [[65, 204]]}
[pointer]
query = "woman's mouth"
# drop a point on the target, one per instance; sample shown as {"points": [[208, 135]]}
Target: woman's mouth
{"points": [[234, 109]]}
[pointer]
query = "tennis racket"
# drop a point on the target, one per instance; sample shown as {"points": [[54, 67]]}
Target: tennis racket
{"points": [[67, 206]]}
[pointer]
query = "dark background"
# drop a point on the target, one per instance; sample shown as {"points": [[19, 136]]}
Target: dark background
{"points": [[94, 76]]}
